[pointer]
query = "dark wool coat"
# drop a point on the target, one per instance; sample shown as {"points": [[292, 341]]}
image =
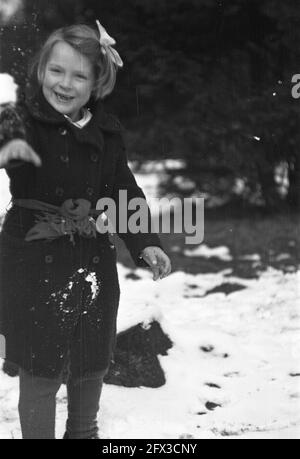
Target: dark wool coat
{"points": [[59, 301]]}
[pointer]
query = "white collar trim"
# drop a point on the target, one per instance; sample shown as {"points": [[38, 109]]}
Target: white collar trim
{"points": [[87, 116]]}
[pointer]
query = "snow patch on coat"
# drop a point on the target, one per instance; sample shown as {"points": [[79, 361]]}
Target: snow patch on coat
{"points": [[92, 278], [69, 311]]}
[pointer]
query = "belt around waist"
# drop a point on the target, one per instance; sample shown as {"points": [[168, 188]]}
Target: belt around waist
{"points": [[73, 216]]}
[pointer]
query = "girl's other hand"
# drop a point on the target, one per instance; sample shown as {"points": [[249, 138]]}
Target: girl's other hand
{"points": [[18, 150], [158, 261]]}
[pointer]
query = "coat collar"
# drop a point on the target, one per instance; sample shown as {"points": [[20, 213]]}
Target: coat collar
{"points": [[40, 109]]}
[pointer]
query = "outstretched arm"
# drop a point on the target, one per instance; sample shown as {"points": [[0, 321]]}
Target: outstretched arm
{"points": [[14, 149]]}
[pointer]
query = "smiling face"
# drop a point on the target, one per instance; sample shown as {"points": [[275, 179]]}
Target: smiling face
{"points": [[68, 81]]}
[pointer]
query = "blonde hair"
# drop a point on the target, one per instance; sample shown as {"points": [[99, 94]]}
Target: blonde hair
{"points": [[85, 40]]}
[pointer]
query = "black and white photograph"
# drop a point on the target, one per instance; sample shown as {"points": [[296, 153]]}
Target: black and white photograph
{"points": [[149, 222]]}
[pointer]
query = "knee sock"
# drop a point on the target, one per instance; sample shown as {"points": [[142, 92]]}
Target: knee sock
{"points": [[37, 406], [83, 406]]}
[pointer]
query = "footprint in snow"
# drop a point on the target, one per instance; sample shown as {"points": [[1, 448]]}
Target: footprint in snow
{"points": [[209, 349], [213, 386], [211, 406]]}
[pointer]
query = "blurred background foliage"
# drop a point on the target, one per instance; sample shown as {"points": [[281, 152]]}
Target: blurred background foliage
{"points": [[207, 82]]}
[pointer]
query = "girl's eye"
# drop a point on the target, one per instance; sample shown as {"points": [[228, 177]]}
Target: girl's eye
{"points": [[81, 77], [55, 70]]}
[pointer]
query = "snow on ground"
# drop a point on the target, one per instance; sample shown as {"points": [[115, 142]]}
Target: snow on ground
{"points": [[240, 351], [222, 253]]}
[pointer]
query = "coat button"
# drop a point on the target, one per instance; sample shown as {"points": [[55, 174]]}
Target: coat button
{"points": [[48, 259], [94, 158], [64, 158], [96, 260], [90, 191], [59, 191], [63, 131]]}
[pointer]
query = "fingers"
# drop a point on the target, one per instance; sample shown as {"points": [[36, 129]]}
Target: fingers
{"points": [[164, 264], [161, 268], [158, 261], [166, 269], [29, 155], [152, 262], [4, 156], [18, 150], [35, 159], [150, 259], [30, 238]]}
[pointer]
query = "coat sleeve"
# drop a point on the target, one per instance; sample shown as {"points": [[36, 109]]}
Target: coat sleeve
{"points": [[125, 180], [12, 127]]}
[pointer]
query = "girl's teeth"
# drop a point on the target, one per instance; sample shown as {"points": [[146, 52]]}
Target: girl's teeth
{"points": [[63, 98]]}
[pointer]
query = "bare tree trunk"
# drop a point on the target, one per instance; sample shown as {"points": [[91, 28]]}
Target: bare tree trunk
{"points": [[269, 189], [293, 197]]}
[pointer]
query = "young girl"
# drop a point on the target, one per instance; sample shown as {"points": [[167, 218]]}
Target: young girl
{"points": [[59, 292]]}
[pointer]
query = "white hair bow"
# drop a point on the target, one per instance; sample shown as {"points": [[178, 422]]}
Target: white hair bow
{"points": [[106, 43]]}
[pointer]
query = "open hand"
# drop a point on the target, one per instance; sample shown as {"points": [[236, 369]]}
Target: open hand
{"points": [[18, 150], [158, 261]]}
